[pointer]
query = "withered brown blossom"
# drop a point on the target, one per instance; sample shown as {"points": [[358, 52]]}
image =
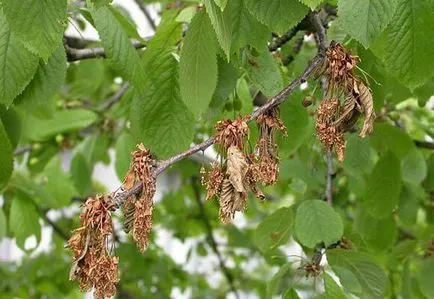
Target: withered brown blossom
{"points": [[93, 266], [232, 132], [329, 134], [267, 167], [212, 180], [138, 208], [334, 118]]}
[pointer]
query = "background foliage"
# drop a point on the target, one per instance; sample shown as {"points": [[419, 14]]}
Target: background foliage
{"points": [[63, 108]]}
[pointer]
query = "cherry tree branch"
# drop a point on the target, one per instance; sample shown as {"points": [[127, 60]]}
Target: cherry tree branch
{"points": [[147, 14], [74, 54], [274, 101]]}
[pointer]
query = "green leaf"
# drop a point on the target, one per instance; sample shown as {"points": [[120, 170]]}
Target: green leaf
{"points": [[123, 57], [316, 222], [332, 290], [160, 119], [265, 73], [274, 230], [383, 187], [408, 54], [3, 223], [198, 65], [312, 3], [62, 122], [414, 169], [221, 3], [358, 156], [379, 234], [426, 278], [221, 21], [12, 123], [86, 78], [124, 146], [99, 3], [24, 219], [273, 284], [246, 29], [17, 64], [6, 157], [348, 280], [365, 20], [371, 277], [291, 294], [47, 81], [58, 184], [387, 137], [81, 173], [42, 27], [33, 189], [296, 119], [279, 15]]}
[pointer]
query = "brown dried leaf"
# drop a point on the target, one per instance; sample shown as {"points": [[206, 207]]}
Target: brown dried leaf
{"points": [[367, 103], [236, 168], [231, 201]]}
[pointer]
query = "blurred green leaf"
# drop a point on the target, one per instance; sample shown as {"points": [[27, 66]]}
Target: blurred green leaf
{"points": [[80, 173], [24, 219], [316, 222], [273, 284], [124, 147], [371, 277], [383, 187], [426, 278], [274, 230], [6, 157], [62, 122], [332, 290]]}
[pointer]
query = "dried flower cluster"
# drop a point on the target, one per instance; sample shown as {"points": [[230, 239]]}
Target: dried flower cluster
{"points": [[93, 266], [232, 132], [138, 208], [240, 172], [267, 167], [333, 117]]}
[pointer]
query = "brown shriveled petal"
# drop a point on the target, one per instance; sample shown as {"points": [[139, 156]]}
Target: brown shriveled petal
{"points": [[142, 220], [212, 180], [340, 145], [231, 132], [367, 103], [339, 64], [92, 264], [325, 130], [106, 276]]}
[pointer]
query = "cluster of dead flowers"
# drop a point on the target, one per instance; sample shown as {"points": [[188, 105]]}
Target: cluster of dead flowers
{"points": [[93, 265], [239, 171], [346, 98]]}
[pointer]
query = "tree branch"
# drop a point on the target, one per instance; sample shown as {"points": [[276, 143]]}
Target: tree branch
{"points": [[147, 14], [210, 237], [82, 54], [116, 97], [424, 144], [64, 235], [274, 101]]}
